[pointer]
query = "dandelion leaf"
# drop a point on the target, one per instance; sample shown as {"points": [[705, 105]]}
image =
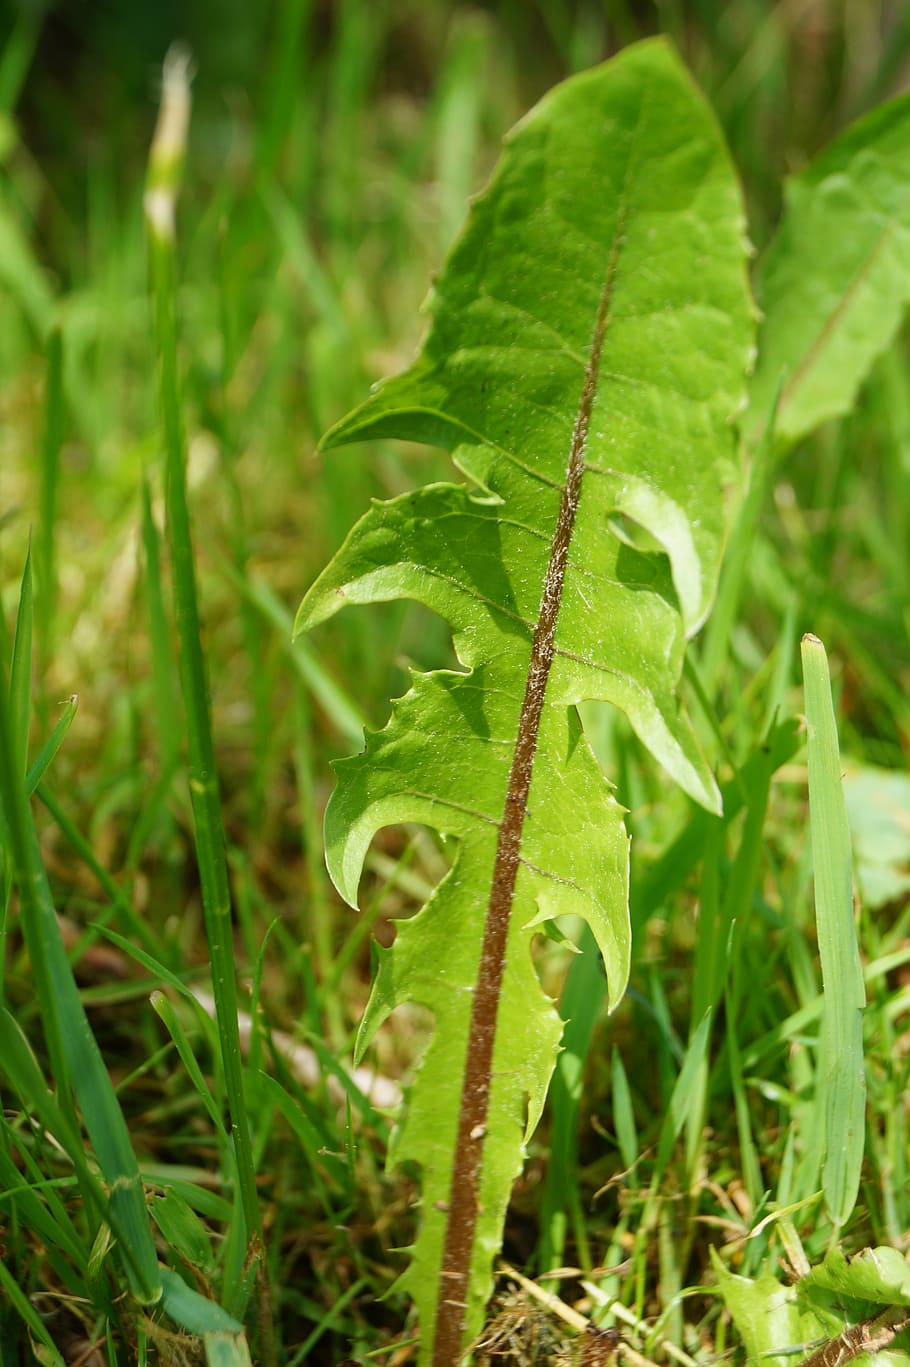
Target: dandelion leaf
{"points": [[586, 356], [835, 281]]}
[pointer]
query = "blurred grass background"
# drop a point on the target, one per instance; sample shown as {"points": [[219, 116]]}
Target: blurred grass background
{"points": [[333, 147]]}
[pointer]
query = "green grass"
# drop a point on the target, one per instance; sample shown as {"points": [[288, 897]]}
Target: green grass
{"points": [[329, 159]]}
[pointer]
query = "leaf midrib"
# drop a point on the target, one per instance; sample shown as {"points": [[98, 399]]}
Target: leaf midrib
{"points": [[468, 1153]]}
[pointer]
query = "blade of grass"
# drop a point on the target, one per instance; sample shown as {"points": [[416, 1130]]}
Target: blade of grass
{"points": [[165, 164], [312, 1145], [48, 1216], [734, 573], [182, 1229], [75, 1057], [20, 678], [682, 1101], [660, 879], [624, 1113], [341, 710], [319, 922], [291, 20], [326, 1322], [48, 751], [301, 257], [196, 1313], [226, 1350], [748, 1154], [164, 693], [23, 278], [683, 1097], [164, 1009], [259, 677], [120, 905], [582, 998], [30, 1316], [19, 43], [121, 1210], [718, 974], [842, 1073], [50, 474], [457, 118]]}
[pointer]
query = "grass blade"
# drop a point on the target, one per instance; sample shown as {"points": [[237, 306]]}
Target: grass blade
{"points": [[164, 693], [48, 1216], [164, 1009], [120, 904], [582, 999], [341, 710], [684, 1094], [842, 1075], [196, 1313], [75, 1057], [125, 1210], [735, 570], [226, 1350], [20, 681], [165, 164], [624, 1113], [50, 747], [30, 1316], [50, 478]]}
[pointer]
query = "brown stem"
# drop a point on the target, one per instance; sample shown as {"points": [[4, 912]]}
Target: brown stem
{"points": [[475, 1095], [868, 1336]]}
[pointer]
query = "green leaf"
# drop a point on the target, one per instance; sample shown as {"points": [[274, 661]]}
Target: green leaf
{"points": [[587, 351], [878, 807], [75, 1057], [835, 281], [48, 1351], [227, 1350], [880, 1275], [773, 1319], [685, 1092], [20, 1067], [190, 1310], [182, 1229], [50, 747], [614, 193], [20, 675], [843, 1076]]}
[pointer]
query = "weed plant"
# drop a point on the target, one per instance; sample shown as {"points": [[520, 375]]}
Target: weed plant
{"points": [[329, 161]]}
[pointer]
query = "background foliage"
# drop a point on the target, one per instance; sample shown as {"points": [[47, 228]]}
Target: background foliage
{"points": [[332, 150]]}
